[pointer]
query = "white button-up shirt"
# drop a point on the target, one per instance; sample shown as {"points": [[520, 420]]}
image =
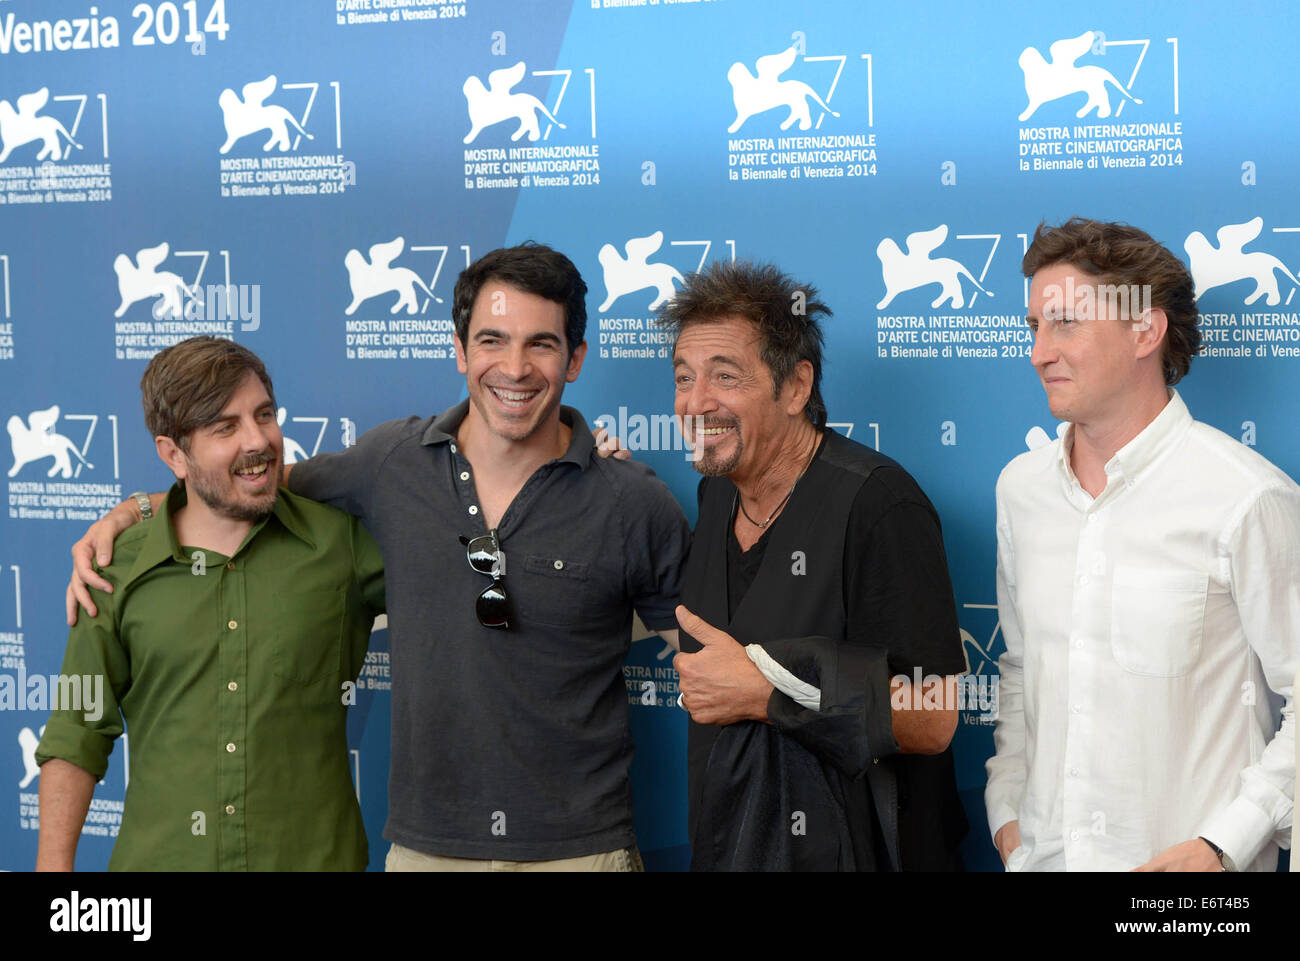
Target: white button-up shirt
{"points": [[1144, 630]]}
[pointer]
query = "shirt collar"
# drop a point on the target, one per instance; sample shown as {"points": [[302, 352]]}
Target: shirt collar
{"points": [[582, 446], [1142, 451], [160, 543], [1158, 437]]}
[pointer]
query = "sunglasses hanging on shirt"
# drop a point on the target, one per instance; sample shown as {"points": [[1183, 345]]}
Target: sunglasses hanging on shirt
{"points": [[485, 556]]}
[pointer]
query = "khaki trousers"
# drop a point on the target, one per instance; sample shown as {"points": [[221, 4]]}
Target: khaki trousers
{"points": [[404, 859]]}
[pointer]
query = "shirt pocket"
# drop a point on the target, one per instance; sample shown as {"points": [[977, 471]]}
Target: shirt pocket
{"points": [[554, 590], [1157, 619], [308, 635]]}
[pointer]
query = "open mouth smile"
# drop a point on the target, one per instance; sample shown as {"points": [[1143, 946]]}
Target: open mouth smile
{"points": [[710, 435], [513, 398], [257, 476]]}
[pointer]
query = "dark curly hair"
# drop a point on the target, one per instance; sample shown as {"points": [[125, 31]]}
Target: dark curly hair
{"points": [[784, 312]]}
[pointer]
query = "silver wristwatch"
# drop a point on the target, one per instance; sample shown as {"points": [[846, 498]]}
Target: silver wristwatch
{"points": [[142, 499]]}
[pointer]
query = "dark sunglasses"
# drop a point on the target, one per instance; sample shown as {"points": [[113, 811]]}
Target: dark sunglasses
{"points": [[485, 556]]}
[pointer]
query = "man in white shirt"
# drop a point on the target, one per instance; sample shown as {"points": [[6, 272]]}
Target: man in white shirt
{"points": [[1148, 588]]}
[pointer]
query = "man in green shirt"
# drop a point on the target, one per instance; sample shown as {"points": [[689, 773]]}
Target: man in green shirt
{"points": [[239, 619]]}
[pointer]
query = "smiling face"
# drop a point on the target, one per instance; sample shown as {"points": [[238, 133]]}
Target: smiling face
{"points": [[233, 465], [516, 361], [1089, 365], [725, 399]]}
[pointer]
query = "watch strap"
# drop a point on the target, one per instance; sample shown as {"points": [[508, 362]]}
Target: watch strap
{"points": [[146, 509], [1218, 852]]}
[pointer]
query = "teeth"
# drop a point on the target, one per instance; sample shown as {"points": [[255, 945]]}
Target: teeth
{"points": [[512, 396], [259, 469], [709, 431]]}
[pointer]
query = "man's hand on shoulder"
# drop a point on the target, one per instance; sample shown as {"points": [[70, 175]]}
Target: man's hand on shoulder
{"points": [[96, 547], [607, 445]]}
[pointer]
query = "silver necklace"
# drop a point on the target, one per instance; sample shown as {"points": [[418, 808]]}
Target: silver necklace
{"points": [[762, 526]]}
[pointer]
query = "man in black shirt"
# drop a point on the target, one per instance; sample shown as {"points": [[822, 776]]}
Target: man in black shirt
{"points": [[816, 583]]}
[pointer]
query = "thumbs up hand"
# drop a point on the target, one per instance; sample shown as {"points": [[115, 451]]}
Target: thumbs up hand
{"points": [[719, 684]]}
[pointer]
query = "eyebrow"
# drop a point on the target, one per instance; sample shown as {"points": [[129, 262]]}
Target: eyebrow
{"points": [[538, 337], [224, 418], [715, 359]]}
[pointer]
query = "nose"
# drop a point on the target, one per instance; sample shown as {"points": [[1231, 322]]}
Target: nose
{"points": [[515, 363], [1044, 352], [697, 399], [255, 436]]}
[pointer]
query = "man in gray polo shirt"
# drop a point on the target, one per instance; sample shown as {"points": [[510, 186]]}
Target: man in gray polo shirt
{"points": [[515, 557]]}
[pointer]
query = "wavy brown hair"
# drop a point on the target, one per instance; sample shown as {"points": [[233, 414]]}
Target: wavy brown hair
{"points": [[1124, 255], [188, 385]]}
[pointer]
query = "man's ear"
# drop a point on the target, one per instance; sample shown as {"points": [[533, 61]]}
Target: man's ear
{"points": [[462, 364], [575, 363], [171, 454], [799, 388], [1150, 327]]}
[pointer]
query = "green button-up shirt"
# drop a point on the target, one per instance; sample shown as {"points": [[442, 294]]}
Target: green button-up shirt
{"points": [[230, 674]]}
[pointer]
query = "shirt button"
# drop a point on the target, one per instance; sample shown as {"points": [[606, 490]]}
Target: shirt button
{"points": [[1074, 835], [230, 809], [473, 509], [230, 565], [1084, 580], [232, 625], [1078, 642], [1076, 709], [464, 475], [232, 686], [230, 749], [559, 565], [453, 448], [1074, 772]]}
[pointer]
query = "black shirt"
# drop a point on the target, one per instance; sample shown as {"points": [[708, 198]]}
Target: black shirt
{"points": [[896, 599]]}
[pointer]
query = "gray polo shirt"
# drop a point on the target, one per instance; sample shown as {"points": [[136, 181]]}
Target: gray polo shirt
{"points": [[509, 744]]}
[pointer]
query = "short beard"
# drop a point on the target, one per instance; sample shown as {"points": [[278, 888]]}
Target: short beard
{"points": [[710, 465], [198, 483], [528, 430]]}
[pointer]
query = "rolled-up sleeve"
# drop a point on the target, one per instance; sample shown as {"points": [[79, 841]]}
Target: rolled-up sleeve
{"points": [[854, 726], [84, 735]]}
